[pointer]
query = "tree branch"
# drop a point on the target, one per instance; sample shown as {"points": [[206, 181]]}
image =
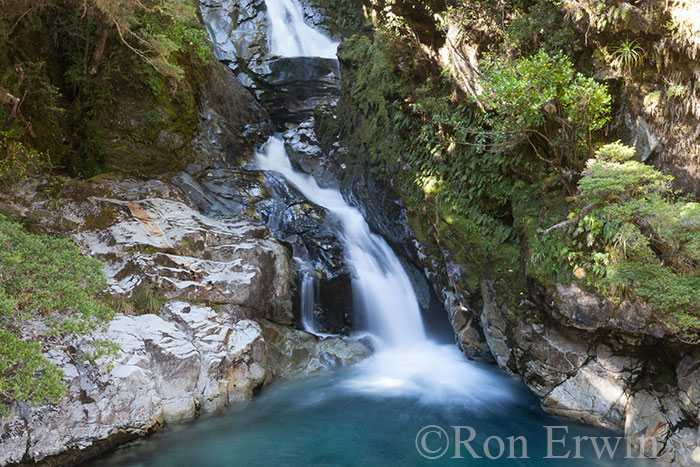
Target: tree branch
{"points": [[574, 220]]}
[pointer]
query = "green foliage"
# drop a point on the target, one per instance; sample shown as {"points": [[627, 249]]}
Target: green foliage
{"points": [[677, 90], [25, 374], [631, 236], [652, 99], [46, 278], [627, 55], [57, 97], [540, 25], [17, 162], [525, 95], [615, 152], [343, 17], [608, 15]]}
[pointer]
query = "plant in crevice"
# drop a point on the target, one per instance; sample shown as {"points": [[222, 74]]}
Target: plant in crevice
{"points": [[676, 90], [627, 55]]}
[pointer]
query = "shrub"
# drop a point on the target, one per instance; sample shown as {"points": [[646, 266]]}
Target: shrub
{"points": [[46, 278], [525, 95], [633, 237]]}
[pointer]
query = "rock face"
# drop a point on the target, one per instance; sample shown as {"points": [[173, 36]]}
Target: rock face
{"points": [[597, 363], [231, 125], [288, 87], [291, 351], [167, 370], [190, 290], [309, 230]]}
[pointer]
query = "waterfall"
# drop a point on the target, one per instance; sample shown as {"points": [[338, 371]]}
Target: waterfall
{"points": [[290, 36], [406, 363], [384, 298], [309, 289]]}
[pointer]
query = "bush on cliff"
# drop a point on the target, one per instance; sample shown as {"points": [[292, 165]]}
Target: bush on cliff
{"points": [[630, 235], [543, 102], [48, 285]]}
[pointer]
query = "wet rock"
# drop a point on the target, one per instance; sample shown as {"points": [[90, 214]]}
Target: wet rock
{"points": [[546, 357], [238, 29], [232, 124], [288, 87], [291, 88], [293, 351], [268, 197], [309, 229]]}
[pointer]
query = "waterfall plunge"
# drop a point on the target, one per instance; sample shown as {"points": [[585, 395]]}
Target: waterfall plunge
{"points": [[407, 363]]}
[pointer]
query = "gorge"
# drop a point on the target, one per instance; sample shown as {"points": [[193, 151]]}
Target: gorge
{"points": [[287, 286]]}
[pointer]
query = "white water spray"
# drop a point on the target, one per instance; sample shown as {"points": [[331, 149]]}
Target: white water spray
{"points": [[290, 36]]}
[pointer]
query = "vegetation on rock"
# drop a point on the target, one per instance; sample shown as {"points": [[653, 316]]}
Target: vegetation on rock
{"points": [[486, 175], [630, 235], [46, 281], [69, 67]]}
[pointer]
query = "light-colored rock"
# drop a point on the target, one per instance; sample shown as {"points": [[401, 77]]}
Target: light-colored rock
{"points": [[593, 395], [292, 351], [684, 446], [167, 370], [646, 426], [688, 373], [232, 355]]}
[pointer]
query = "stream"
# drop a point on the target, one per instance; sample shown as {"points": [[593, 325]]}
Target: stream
{"points": [[415, 401]]}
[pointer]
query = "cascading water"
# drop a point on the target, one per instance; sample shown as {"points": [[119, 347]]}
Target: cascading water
{"points": [[384, 296], [308, 296], [407, 362], [385, 304], [290, 36]]}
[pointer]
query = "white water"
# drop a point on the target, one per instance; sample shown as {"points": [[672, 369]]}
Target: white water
{"points": [[407, 363], [309, 289], [384, 296], [290, 36]]}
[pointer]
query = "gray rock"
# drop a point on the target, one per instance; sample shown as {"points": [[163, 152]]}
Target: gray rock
{"points": [[646, 426], [688, 374], [293, 351], [165, 371], [494, 327], [593, 395]]}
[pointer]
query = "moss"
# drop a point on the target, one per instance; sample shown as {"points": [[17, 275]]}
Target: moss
{"points": [[101, 221]]}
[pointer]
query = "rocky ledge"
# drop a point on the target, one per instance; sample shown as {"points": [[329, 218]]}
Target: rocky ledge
{"points": [[614, 366], [204, 308]]}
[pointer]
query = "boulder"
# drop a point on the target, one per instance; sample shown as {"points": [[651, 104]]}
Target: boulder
{"points": [[168, 368], [292, 351]]}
